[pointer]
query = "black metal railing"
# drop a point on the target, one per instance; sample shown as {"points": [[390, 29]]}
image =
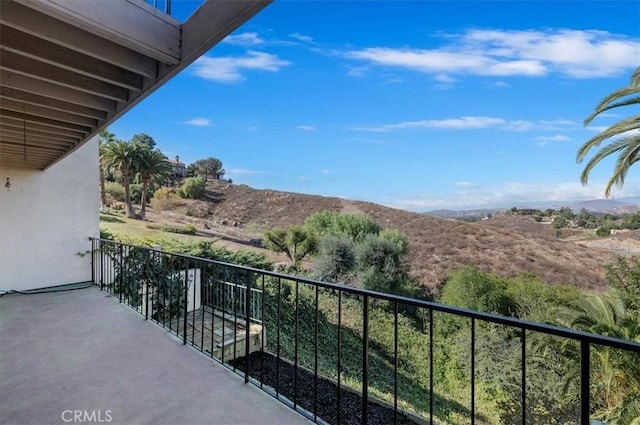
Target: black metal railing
{"points": [[350, 343]]}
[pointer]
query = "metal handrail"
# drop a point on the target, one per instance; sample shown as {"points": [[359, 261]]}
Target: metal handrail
{"points": [[488, 317], [180, 294]]}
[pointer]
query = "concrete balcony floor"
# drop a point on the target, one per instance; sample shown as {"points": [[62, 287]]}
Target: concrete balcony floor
{"points": [[82, 350]]}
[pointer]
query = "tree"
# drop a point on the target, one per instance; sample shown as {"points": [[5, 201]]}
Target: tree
{"points": [[209, 167], [356, 226], [152, 165], [624, 135], [193, 188], [123, 157], [144, 139], [336, 258], [104, 137], [295, 241]]}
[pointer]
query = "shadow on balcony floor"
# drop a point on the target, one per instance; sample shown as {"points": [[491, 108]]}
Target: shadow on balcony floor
{"points": [[83, 351]]}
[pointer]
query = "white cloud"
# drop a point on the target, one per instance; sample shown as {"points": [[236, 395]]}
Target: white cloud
{"points": [[450, 123], [229, 69], [520, 125], [306, 128], [325, 171], [498, 85], [511, 194], [244, 39], [198, 122], [241, 172], [466, 185], [557, 138], [357, 71], [301, 37], [474, 122], [533, 53]]}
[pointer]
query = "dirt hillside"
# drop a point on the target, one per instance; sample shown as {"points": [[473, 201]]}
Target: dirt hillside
{"points": [[437, 246]]}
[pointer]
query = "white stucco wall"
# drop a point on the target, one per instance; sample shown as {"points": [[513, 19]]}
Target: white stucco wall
{"points": [[46, 219]]}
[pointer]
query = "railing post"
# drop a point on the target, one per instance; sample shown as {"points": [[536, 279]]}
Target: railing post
{"points": [[146, 292], [365, 358], [93, 261], [186, 301], [473, 371], [523, 378], [101, 251], [247, 312], [585, 382], [121, 271]]}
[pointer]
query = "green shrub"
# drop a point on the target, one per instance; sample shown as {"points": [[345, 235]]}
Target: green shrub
{"points": [[164, 199], [357, 226], [559, 222], [189, 229], [603, 231], [193, 188], [335, 259], [116, 190]]}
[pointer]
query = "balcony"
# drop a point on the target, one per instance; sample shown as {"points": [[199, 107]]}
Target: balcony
{"points": [[332, 353], [83, 351]]}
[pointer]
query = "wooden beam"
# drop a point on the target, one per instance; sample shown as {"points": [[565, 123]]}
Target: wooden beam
{"points": [[59, 105], [53, 54], [122, 21], [38, 24], [41, 111], [26, 117], [24, 65], [34, 140], [54, 91], [55, 131], [16, 164], [18, 131], [31, 147]]}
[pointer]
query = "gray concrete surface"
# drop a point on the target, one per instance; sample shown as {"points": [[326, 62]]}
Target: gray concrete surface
{"points": [[83, 351]]}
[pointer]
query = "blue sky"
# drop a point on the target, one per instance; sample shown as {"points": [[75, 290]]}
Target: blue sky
{"points": [[417, 105]]}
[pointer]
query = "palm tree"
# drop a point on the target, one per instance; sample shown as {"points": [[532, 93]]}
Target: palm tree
{"points": [[153, 164], [628, 145], [615, 375], [104, 137], [124, 157]]}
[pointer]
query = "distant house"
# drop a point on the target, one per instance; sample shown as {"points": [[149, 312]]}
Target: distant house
{"points": [[178, 169]]}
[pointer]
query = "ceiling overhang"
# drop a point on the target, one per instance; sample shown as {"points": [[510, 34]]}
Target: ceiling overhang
{"points": [[69, 68]]}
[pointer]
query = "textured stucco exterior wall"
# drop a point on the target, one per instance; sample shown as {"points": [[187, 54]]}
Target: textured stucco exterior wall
{"points": [[46, 219]]}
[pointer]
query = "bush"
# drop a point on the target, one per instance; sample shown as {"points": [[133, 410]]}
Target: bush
{"points": [[193, 188], [603, 231], [116, 190], [357, 226], [189, 229], [559, 222], [335, 260], [164, 199]]}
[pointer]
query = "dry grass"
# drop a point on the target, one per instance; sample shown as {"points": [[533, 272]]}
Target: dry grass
{"points": [[437, 246]]}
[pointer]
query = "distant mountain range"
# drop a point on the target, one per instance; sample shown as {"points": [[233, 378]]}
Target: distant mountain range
{"points": [[605, 206]]}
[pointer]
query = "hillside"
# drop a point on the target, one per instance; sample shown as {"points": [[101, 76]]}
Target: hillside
{"points": [[437, 246]]}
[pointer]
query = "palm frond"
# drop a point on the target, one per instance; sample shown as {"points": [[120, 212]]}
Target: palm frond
{"points": [[606, 103], [622, 126]]}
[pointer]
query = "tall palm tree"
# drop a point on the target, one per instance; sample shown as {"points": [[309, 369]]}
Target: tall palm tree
{"points": [[104, 137], [124, 157], [153, 164], [628, 146]]}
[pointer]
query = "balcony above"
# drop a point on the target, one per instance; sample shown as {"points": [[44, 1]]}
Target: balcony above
{"points": [[69, 68]]}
